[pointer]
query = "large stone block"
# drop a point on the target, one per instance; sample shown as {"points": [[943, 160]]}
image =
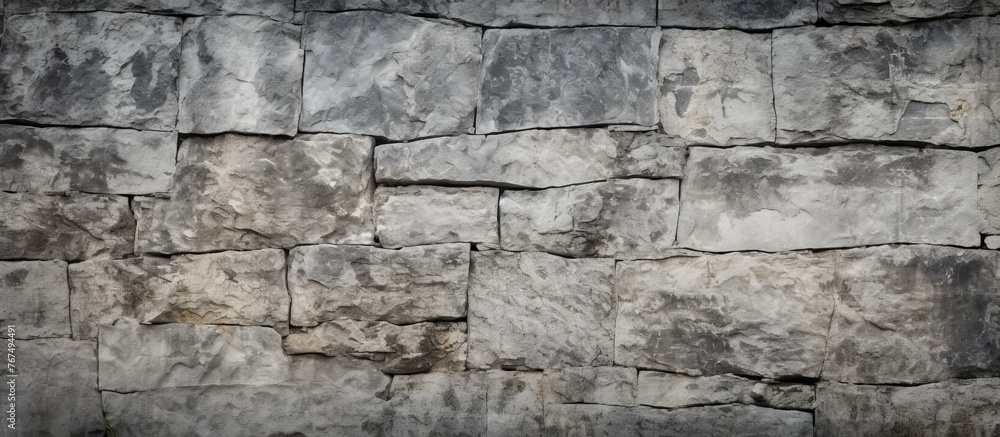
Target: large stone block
{"points": [[76, 227], [775, 199], [567, 77], [749, 314], [515, 403], [989, 190], [630, 218], [715, 86], [730, 420], [255, 89], [93, 160], [277, 9], [591, 385], [445, 404], [742, 14], [242, 192], [671, 390], [409, 285], [934, 82], [387, 75], [35, 298], [537, 311], [417, 215], [895, 11], [90, 69]]}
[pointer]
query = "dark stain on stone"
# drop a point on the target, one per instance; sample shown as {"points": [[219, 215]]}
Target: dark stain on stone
{"points": [[147, 92], [682, 86], [865, 169], [15, 278], [64, 83], [19, 145], [762, 9], [91, 173]]}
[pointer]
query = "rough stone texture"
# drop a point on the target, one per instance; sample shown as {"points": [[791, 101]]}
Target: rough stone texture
{"points": [[444, 214], [90, 69], [145, 357], [277, 9], [35, 298], [445, 404], [537, 311], [552, 13], [895, 11], [649, 155], [749, 314], [631, 218], [567, 77], [80, 226], [731, 420], [992, 242], [420, 347], [242, 192], [743, 14], [989, 190], [951, 408], [914, 314], [591, 385], [95, 160], [934, 82], [668, 390], [256, 89], [409, 285], [515, 403], [227, 288], [775, 199], [715, 86], [371, 73], [55, 387]]}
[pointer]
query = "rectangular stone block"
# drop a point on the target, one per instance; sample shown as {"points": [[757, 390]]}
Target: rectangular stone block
{"points": [[90, 69], [515, 403], [236, 192], [625, 219], [935, 82], [35, 298], [743, 420], [784, 199], [591, 385], [277, 9], [593, 76], [538, 311], [409, 285], [741, 14], [76, 227], [649, 155], [445, 404], [671, 390], [93, 160], [897, 11], [392, 76], [989, 191], [417, 215]]}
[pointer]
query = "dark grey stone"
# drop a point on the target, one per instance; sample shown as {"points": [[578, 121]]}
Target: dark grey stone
{"points": [[36, 298], [277, 9], [897, 11], [740, 14]]}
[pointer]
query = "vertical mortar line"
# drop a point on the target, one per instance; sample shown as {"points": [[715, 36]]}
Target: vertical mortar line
{"points": [[680, 182], [499, 227], [774, 94], [302, 76], [614, 306], [288, 290]]}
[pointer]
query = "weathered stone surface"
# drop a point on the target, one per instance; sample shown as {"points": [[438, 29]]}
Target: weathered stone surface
{"points": [[227, 288], [95, 160], [591, 76], [552, 13], [749, 314], [392, 76], [444, 214], [277, 9], [75, 227], [669, 390], [515, 403], [895, 11], [951, 408], [630, 218], [742, 14], [55, 389], [537, 311], [35, 298], [242, 192], [734, 420], [715, 86], [649, 155], [145, 357], [989, 190], [446, 404], [415, 348], [774, 199], [992, 242], [409, 285], [591, 385], [914, 314], [934, 82], [90, 69]]}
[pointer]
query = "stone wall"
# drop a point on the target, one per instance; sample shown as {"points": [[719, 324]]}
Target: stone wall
{"points": [[518, 218]]}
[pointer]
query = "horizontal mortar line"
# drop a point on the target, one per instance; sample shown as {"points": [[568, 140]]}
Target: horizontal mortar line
{"points": [[844, 143], [700, 405], [211, 251], [29, 123], [181, 15], [512, 187]]}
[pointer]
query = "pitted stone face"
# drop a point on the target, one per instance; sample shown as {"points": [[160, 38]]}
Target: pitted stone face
{"points": [[896, 11], [740, 14]]}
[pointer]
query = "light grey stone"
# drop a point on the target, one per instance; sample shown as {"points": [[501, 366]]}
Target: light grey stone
{"points": [[515, 403], [256, 89], [989, 190], [538, 311], [729, 420], [90, 69], [669, 390], [445, 404], [781, 199], [443, 215], [226, 288], [915, 314], [630, 218], [715, 86], [35, 298], [357, 374], [277, 9], [599, 75], [649, 155], [591, 385], [896, 11], [409, 285], [94, 160], [144, 357], [237, 192], [992, 242], [749, 314], [76, 227], [415, 348], [952, 408], [387, 75], [742, 14], [934, 82]]}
